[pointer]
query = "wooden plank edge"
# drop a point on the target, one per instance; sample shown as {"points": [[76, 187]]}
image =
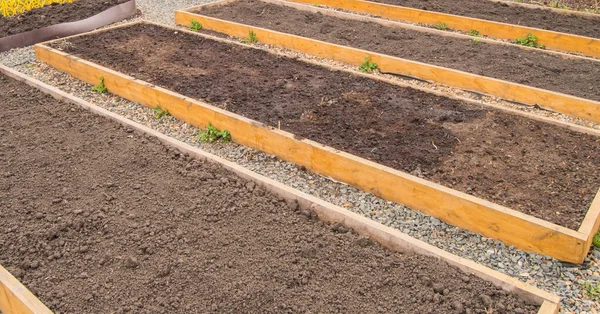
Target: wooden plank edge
{"points": [[15, 298], [591, 222], [397, 24], [560, 41], [549, 236], [567, 104], [546, 8], [386, 236]]}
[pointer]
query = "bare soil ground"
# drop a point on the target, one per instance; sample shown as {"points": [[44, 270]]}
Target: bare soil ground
{"points": [[97, 218]]}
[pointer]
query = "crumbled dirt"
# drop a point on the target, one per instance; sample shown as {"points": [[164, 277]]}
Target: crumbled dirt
{"points": [[53, 14], [501, 12], [97, 218], [537, 168], [534, 68]]}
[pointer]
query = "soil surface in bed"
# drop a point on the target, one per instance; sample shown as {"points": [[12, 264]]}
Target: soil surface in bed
{"points": [[577, 77], [499, 12], [53, 14], [534, 167], [91, 209]]}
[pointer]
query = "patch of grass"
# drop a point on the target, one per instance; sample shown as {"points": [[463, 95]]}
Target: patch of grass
{"points": [[251, 39], [367, 66], [474, 33], [441, 26], [195, 26], [596, 240], [529, 40], [100, 88], [212, 134], [159, 113], [592, 289]]}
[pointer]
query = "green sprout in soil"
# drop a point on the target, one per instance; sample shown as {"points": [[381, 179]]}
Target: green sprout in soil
{"points": [[195, 26], [100, 88], [529, 40], [596, 240], [441, 26], [251, 39], [367, 66], [592, 289], [474, 33], [159, 113], [212, 134]]}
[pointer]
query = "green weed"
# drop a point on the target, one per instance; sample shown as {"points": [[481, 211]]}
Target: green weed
{"points": [[596, 240], [529, 40], [474, 33], [592, 289], [100, 88], [441, 26], [251, 39], [367, 66], [212, 134], [195, 26], [159, 113]]}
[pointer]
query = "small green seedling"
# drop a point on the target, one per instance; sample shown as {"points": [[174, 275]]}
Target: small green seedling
{"points": [[596, 240], [367, 66], [529, 40], [212, 134], [195, 26], [474, 33], [100, 88], [592, 289], [251, 39], [159, 113], [441, 26], [476, 40]]}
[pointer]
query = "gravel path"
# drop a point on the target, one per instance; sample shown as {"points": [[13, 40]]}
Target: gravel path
{"points": [[565, 280]]}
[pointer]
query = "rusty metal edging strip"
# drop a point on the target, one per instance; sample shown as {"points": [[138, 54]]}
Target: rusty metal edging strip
{"points": [[111, 15], [388, 237]]}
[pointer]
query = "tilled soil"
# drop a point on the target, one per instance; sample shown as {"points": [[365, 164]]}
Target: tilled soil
{"points": [[533, 167], [499, 12], [97, 218], [53, 14], [577, 77]]}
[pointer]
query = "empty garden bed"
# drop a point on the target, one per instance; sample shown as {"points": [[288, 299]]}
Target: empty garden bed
{"points": [[537, 168], [572, 76], [92, 209]]}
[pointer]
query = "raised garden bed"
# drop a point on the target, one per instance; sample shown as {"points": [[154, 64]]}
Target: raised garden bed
{"points": [[537, 168], [564, 35], [221, 238], [348, 26], [60, 20]]}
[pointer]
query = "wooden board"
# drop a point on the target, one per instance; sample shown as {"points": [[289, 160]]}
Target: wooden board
{"points": [[567, 104], [457, 208], [553, 40], [388, 237], [16, 299]]}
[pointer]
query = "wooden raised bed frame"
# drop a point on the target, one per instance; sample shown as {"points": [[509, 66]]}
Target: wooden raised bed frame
{"points": [[457, 208], [554, 40], [16, 299], [563, 103]]}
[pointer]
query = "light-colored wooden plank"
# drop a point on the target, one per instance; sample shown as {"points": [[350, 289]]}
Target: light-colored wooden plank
{"points": [[591, 222], [567, 104], [512, 227], [546, 8], [16, 299], [549, 307], [389, 237], [554, 40]]}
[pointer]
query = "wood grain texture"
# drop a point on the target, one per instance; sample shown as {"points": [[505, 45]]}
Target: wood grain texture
{"points": [[389, 237], [554, 40], [567, 104], [468, 212], [16, 299]]}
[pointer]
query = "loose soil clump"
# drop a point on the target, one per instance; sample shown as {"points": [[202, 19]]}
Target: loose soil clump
{"points": [[53, 14], [537, 168], [578, 77], [97, 218], [501, 12]]}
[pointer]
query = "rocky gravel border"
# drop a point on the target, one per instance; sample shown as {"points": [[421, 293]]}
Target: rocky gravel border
{"points": [[565, 280]]}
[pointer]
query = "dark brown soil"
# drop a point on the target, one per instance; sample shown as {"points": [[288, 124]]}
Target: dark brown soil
{"points": [[499, 12], [97, 218], [53, 14], [535, 68], [533, 167]]}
